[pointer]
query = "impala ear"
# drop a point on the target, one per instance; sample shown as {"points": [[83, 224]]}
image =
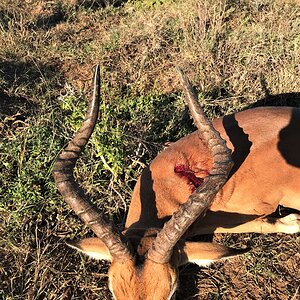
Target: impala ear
{"points": [[93, 247], [203, 254]]}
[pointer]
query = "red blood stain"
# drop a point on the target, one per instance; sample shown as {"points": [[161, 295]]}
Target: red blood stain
{"points": [[185, 171]]}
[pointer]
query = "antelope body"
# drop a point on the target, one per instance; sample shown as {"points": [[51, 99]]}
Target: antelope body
{"points": [[265, 144], [193, 187]]}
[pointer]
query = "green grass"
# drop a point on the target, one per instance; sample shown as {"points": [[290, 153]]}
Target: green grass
{"points": [[239, 54]]}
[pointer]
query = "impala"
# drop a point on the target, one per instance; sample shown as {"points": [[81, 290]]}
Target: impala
{"points": [[195, 186]]}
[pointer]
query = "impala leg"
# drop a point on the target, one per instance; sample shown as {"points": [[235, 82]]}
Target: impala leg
{"points": [[223, 222]]}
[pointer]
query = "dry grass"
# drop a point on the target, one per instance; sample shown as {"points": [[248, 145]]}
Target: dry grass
{"points": [[238, 54]]}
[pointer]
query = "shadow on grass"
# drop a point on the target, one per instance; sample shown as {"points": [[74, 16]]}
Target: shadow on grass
{"points": [[188, 285], [10, 106], [96, 4], [58, 15], [285, 99], [5, 18], [27, 79]]}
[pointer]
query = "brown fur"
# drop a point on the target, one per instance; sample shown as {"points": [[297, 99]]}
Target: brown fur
{"points": [[147, 281], [266, 146]]}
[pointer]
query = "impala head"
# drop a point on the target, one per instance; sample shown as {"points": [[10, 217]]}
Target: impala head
{"points": [[145, 265]]}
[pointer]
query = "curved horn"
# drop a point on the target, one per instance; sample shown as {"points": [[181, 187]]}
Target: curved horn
{"points": [[74, 195], [198, 202]]}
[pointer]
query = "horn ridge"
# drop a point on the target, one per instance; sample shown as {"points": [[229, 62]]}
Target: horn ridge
{"points": [[162, 248]]}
